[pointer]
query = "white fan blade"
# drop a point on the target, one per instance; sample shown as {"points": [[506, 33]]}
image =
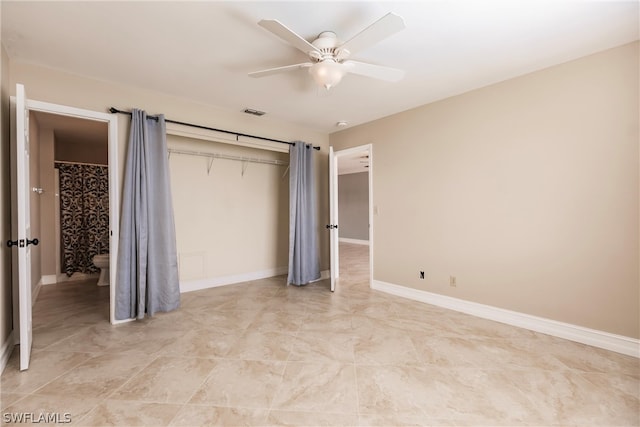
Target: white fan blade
{"points": [[280, 30], [375, 71], [271, 71], [379, 30]]}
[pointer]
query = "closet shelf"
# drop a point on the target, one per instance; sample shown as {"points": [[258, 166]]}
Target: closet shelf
{"points": [[230, 157], [242, 159]]}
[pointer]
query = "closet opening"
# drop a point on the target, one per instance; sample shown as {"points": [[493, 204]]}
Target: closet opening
{"points": [[231, 208]]}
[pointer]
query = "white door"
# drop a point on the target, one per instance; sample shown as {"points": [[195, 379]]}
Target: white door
{"points": [[333, 218], [24, 242]]}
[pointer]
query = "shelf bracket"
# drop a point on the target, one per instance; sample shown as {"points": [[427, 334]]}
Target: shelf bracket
{"points": [[285, 172]]}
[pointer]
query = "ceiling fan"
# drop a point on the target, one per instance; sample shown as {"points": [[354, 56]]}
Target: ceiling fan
{"points": [[329, 57]]}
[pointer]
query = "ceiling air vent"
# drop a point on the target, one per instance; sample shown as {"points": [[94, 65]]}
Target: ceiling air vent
{"points": [[254, 112]]}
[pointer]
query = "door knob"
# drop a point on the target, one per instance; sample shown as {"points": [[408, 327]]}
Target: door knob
{"points": [[20, 243]]}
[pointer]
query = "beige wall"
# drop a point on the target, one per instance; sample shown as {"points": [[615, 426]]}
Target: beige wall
{"points": [[353, 205], [76, 151], [228, 223], [35, 199], [193, 230], [526, 191], [47, 203], [6, 313]]}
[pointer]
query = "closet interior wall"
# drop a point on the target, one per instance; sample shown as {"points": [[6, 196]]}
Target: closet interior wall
{"points": [[231, 216]]}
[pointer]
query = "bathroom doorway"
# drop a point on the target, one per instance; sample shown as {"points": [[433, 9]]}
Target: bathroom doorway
{"points": [[83, 134], [73, 188]]}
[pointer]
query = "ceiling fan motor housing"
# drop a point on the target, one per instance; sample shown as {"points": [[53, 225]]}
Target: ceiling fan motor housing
{"points": [[327, 42]]}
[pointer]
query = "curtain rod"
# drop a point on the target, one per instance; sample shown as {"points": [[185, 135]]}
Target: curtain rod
{"points": [[114, 110]]}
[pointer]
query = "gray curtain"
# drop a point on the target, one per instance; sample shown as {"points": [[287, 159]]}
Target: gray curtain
{"points": [[147, 259], [304, 260]]}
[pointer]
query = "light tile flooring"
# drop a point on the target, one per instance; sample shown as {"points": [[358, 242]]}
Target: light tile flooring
{"points": [[262, 353]]}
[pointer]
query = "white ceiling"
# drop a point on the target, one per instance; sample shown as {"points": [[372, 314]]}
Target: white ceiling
{"points": [[73, 130], [353, 163], [204, 50]]}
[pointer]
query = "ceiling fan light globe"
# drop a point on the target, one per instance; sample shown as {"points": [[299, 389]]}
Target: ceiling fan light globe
{"points": [[327, 73]]}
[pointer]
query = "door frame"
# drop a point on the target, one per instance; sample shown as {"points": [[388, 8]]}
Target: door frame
{"points": [[363, 149], [114, 191]]}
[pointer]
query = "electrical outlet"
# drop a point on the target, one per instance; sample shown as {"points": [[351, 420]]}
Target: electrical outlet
{"points": [[422, 275], [452, 281]]}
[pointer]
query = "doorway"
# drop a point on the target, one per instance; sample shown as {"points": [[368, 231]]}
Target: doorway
{"points": [[72, 188], [47, 111], [353, 175]]}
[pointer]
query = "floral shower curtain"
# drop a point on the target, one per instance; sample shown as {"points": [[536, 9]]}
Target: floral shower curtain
{"points": [[84, 215]]}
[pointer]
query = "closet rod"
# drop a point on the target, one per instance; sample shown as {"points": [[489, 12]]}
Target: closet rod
{"points": [[229, 157], [115, 110]]}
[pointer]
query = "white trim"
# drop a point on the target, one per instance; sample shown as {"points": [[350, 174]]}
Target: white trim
{"points": [[223, 137], [52, 279], [49, 279], [114, 215], [334, 244], [213, 282], [354, 241], [593, 337], [65, 110]]}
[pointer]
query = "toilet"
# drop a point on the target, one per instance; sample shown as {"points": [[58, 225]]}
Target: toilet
{"points": [[102, 262]]}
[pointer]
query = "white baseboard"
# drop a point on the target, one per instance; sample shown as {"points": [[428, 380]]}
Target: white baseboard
{"points": [[354, 241], [593, 337], [196, 285], [49, 279], [52, 279], [5, 351]]}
